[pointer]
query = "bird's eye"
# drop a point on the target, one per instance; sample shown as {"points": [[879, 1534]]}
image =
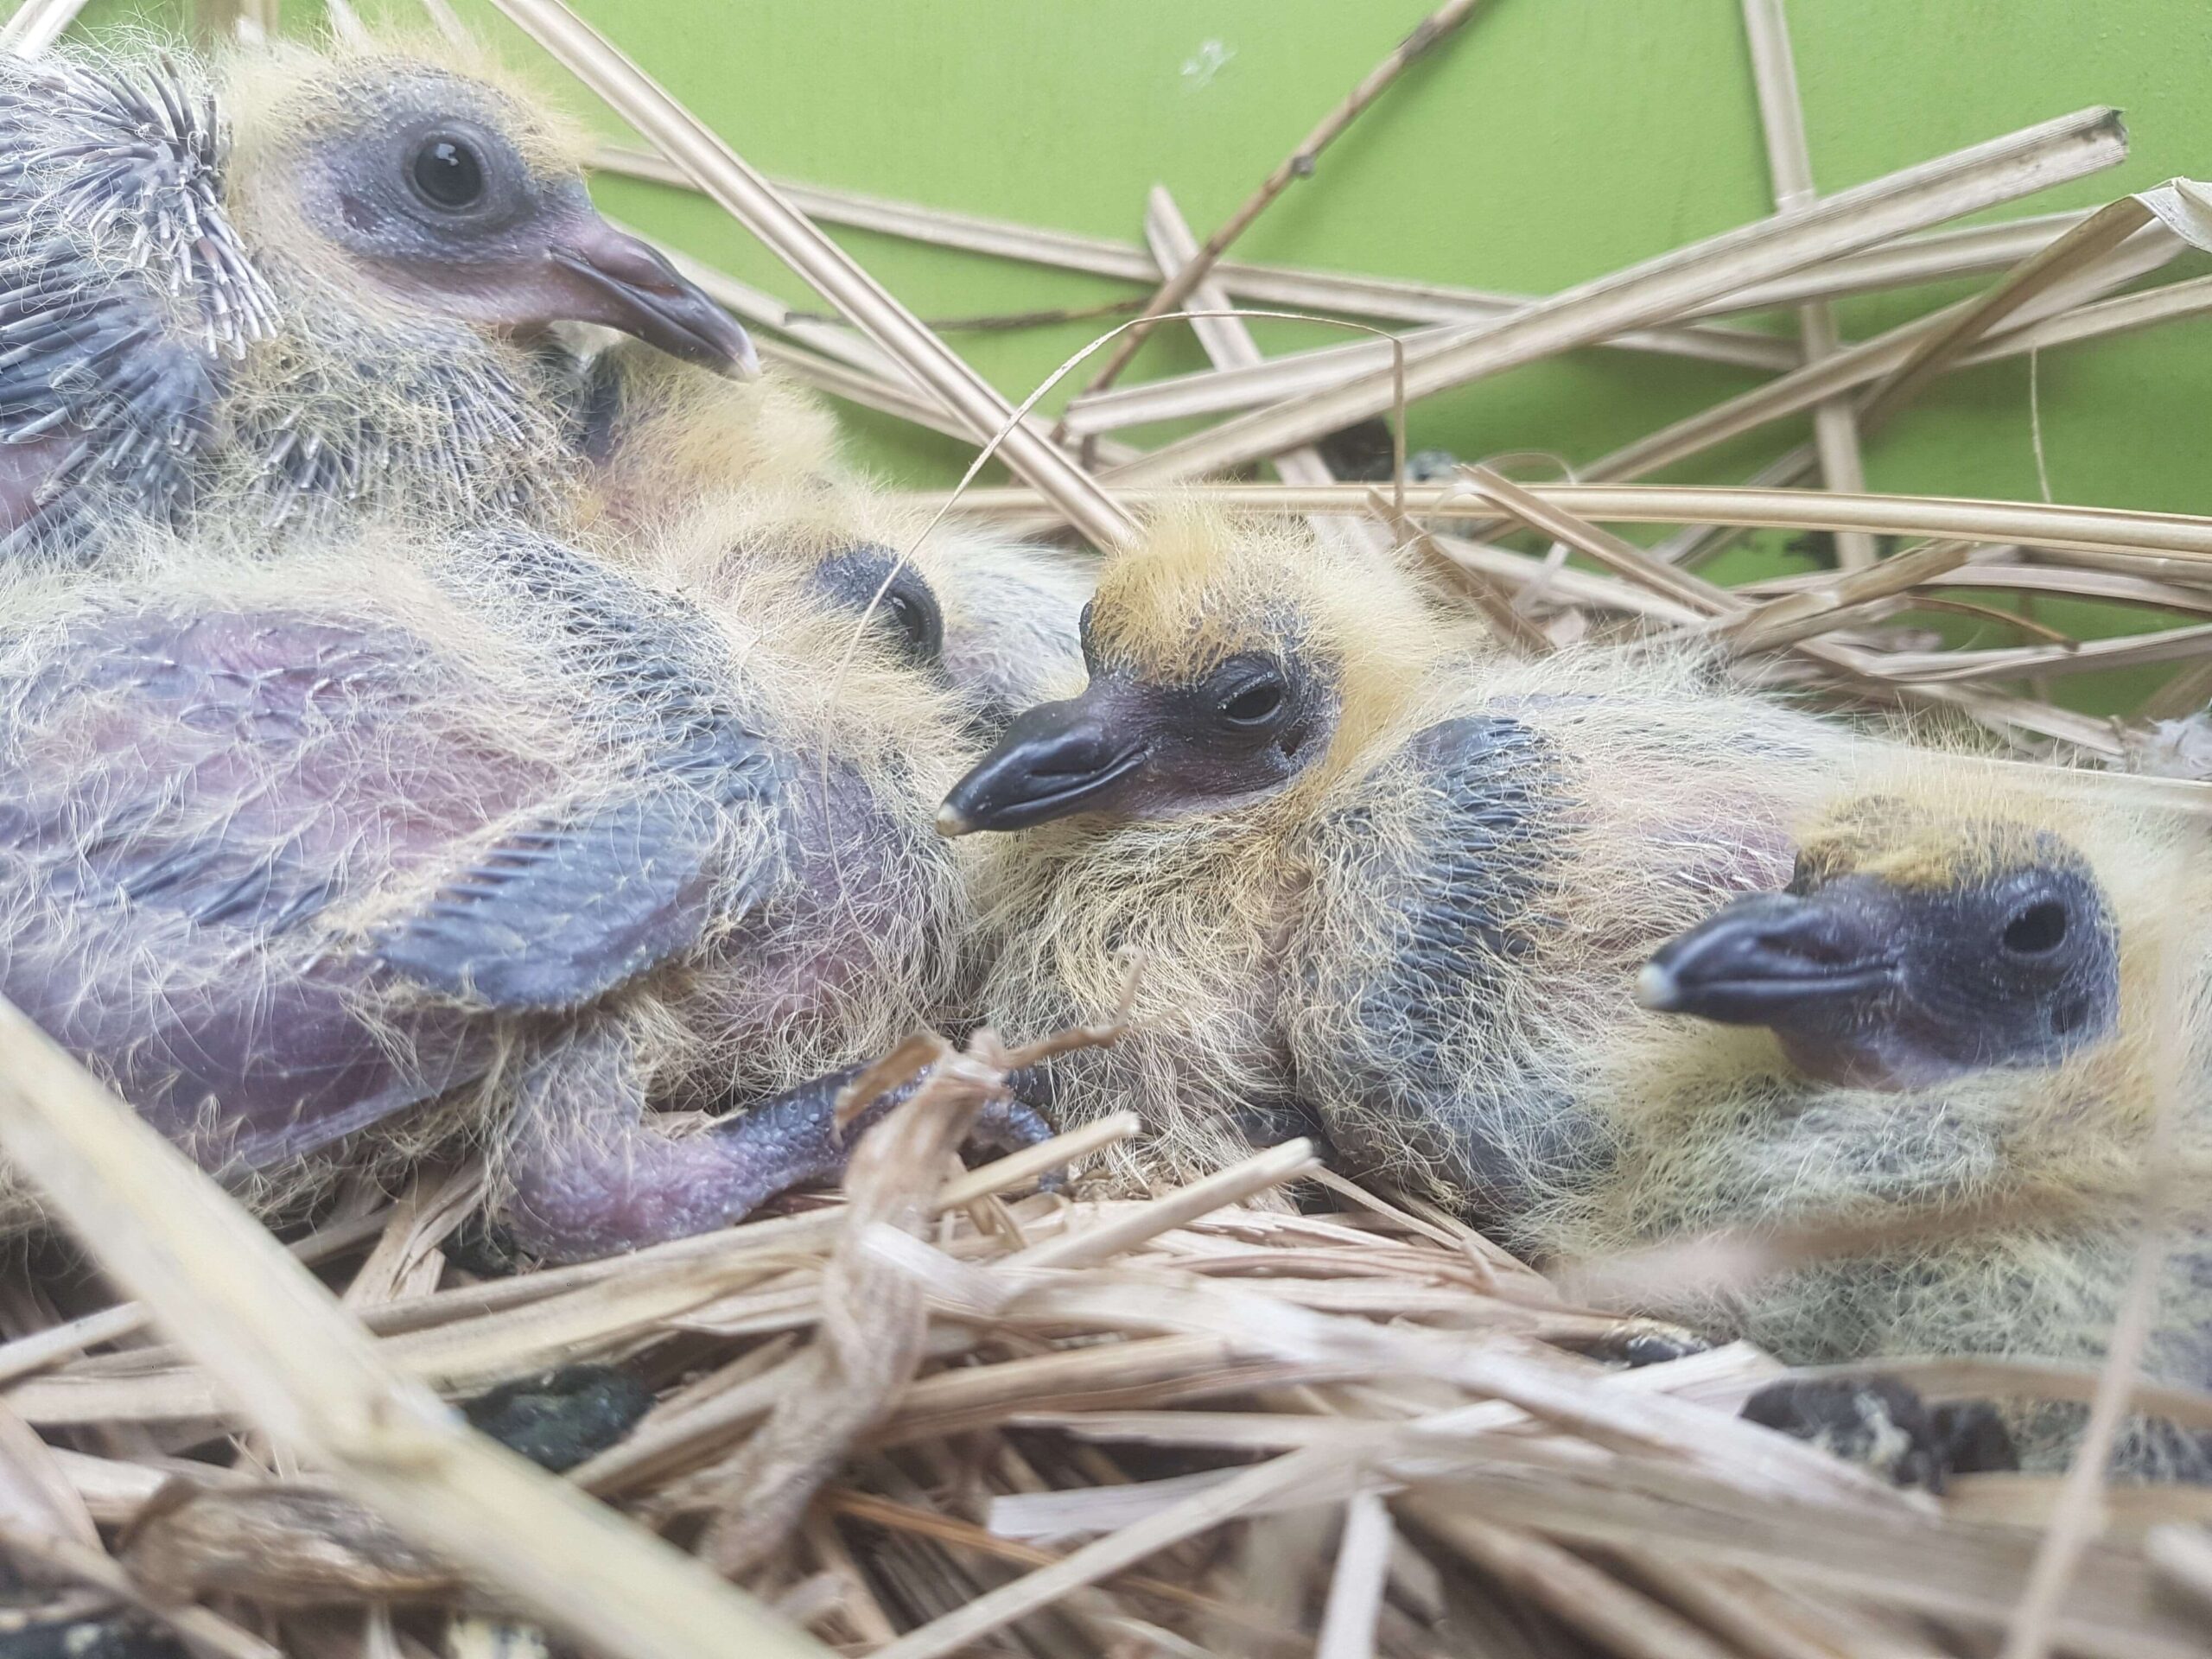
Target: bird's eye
{"points": [[2037, 930], [916, 629], [1253, 702], [447, 173]]}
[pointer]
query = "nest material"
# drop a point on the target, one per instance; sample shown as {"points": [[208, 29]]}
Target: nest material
{"points": [[950, 1419]]}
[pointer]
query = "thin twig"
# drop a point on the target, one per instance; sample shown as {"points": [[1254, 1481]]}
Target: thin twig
{"points": [[1907, 261], [2180, 537], [1362, 1570], [36, 25], [1298, 164], [307, 1375], [208, 1634], [1962, 183], [828, 268], [1228, 341]]}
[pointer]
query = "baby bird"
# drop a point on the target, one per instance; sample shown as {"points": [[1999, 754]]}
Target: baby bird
{"points": [[1381, 879], [319, 863], [295, 278], [658, 435], [1971, 995], [1393, 885]]}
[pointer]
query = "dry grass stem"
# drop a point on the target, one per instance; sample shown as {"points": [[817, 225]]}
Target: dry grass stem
{"points": [[1663, 288], [1790, 167], [36, 25], [2187, 541], [1926, 257], [310, 1377]]}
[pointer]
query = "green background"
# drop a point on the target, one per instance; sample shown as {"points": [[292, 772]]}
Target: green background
{"points": [[1551, 141]]}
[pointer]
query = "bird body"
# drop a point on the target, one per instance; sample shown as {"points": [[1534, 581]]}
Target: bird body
{"points": [[316, 861], [1397, 902], [2044, 1140], [658, 435]]}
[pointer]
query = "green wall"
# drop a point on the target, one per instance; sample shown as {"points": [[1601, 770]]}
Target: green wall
{"points": [[1552, 141]]}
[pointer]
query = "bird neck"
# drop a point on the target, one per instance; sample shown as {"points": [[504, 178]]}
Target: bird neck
{"points": [[347, 402]]}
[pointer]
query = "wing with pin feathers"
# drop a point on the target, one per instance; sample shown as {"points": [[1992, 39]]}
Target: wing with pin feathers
{"points": [[187, 799], [572, 904], [583, 896], [125, 294], [1444, 876]]}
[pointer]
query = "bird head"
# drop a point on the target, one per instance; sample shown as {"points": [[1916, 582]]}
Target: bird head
{"points": [[892, 598], [1229, 663], [440, 193], [1909, 947]]}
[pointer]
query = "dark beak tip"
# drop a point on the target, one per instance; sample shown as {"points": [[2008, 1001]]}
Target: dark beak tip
{"points": [[658, 304]]}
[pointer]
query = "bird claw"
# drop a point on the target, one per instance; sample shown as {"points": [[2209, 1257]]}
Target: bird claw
{"points": [[1008, 1124], [1634, 1346], [563, 1418]]}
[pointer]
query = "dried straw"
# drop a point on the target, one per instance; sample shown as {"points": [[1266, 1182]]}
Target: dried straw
{"points": [[1790, 162], [36, 25], [244, 1308], [1656, 290]]}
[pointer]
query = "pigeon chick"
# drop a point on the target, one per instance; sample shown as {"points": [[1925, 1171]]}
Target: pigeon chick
{"points": [[1383, 880], [1969, 998], [321, 862], [294, 279], [658, 435]]}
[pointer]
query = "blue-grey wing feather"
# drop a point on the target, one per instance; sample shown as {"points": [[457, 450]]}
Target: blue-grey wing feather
{"points": [[1451, 905], [182, 797], [575, 904]]}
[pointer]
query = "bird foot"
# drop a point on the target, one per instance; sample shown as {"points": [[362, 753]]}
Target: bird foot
{"points": [[1634, 1346], [1885, 1427], [591, 1174]]}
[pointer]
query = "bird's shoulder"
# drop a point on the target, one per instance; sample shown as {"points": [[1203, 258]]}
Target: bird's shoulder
{"points": [[229, 767]]}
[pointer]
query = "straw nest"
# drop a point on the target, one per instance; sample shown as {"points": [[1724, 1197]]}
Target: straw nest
{"points": [[947, 1413]]}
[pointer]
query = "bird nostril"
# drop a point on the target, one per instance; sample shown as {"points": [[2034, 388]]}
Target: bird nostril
{"points": [[1818, 949]]}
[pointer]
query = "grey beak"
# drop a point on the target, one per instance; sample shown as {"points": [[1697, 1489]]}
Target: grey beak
{"points": [[1055, 760], [1766, 957], [617, 280]]}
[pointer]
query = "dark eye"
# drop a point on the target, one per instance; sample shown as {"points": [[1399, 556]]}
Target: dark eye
{"points": [[917, 627], [447, 173], [2038, 929], [1254, 703]]}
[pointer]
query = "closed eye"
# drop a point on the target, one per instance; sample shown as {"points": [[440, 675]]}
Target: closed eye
{"points": [[1254, 705]]}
